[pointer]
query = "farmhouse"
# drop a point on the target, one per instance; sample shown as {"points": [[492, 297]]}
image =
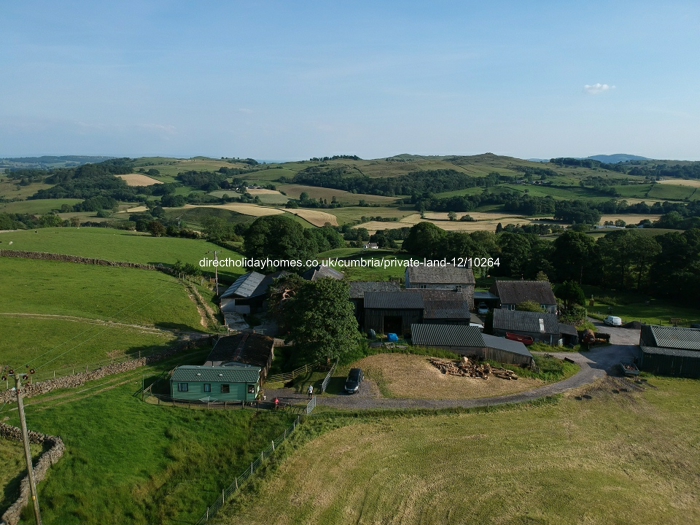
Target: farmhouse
{"points": [[670, 351], [513, 293], [244, 349], [541, 327], [469, 341], [215, 383], [449, 277]]}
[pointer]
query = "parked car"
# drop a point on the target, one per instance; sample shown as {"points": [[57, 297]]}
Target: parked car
{"points": [[355, 378], [611, 320], [482, 309]]}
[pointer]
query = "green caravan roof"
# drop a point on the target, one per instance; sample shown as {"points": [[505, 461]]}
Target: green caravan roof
{"points": [[216, 374]]}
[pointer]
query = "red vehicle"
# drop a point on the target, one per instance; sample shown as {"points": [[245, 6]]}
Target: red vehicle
{"points": [[524, 339]]}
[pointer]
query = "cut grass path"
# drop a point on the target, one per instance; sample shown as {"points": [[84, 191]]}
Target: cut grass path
{"points": [[617, 458], [116, 245]]}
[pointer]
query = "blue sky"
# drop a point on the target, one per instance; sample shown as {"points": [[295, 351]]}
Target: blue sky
{"points": [[291, 80]]}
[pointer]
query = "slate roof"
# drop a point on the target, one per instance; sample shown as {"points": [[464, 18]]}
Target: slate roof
{"points": [[245, 286], [670, 351], [320, 271], [516, 321], [500, 343], [358, 289], [567, 329], [446, 310], [216, 374], [246, 348], [403, 300], [679, 338], [446, 335], [516, 292], [440, 275]]}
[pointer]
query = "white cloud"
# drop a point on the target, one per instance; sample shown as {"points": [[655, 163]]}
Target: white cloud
{"points": [[597, 89]]}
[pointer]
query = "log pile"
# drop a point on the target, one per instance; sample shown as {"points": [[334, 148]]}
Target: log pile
{"points": [[468, 368]]}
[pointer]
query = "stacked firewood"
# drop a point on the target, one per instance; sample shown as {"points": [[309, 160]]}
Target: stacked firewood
{"points": [[468, 368]]}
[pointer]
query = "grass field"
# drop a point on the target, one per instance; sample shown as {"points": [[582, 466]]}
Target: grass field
{"points": [[132, 462], [9, 189], [355, 213], [67, 344], [295, 190], [486, 221], [657, 312], [116, 245], [39, 206], [617, 458], [13, 469], [96, 292]]}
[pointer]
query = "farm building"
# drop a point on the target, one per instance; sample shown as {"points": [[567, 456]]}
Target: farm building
{"points": [[357, 295], [321, 271], [541, 327], [247, 292], [395, 312], [469, 341], [513, 293], [244, 349], [670, 351], [449, 277], [392, 312], [215, 383]]}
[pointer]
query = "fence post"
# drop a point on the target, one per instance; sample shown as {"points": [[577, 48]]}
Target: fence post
{"points": [[262, 456], [251, 469], [236, 484], [223, 496], [273, 445], [207, 513]]}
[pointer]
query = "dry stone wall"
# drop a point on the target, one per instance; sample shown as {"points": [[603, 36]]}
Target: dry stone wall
{"points": [[41, 468], [74, 381]]}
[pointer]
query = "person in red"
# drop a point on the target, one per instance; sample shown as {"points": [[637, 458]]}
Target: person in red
{"points": [[277, 403]]}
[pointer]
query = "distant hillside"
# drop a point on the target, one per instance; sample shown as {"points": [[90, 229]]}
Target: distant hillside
{"points": [[616, 158], [49, 161]]}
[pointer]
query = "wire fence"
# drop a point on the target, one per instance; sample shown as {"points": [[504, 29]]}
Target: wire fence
{"points": [[329, 375], [288, 376], [240, 480]]}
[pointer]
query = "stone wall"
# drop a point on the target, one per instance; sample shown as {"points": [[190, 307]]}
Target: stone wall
{"points": [[83, 260], [41, 468], [74, 381]]}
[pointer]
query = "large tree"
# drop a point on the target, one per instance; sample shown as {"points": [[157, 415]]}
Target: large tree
{"points": [[424, 240], [575, 257], [321, 320], [278, 238]]}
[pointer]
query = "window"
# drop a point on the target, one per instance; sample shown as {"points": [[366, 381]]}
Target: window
{"points": [[207, 387], [458, 288], [251, 389], [225, 389], [182, 387]]}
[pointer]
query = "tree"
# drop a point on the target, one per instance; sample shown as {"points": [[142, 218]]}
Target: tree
{"points": [[452, 216], [156, 228], [322, 320], [575, 257], [278, 238], [571, 293], [541, 276], [424, 240], [528, 306]]}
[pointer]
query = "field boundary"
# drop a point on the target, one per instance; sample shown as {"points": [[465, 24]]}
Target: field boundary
{"points": [[41, 468]]}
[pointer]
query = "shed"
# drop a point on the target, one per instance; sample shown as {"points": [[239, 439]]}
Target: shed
{"points": [[670, 351], [446, 277], [513, 293], [358, 289], [542, 327], [469, 341], [243, 349], [444, 306], [215, 383], [321, 272], [247, 293]]}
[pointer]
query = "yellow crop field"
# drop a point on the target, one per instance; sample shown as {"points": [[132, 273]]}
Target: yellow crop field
{"points": [[136, 179], [693, 183], [246, 209], [315, 217]]}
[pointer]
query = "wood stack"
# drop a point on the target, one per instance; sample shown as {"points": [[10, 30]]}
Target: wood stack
{"points": [[467, 368]]}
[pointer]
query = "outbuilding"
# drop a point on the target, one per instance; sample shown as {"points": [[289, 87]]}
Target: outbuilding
{"points": [[670, 351], [542, 327], [206, 384]]}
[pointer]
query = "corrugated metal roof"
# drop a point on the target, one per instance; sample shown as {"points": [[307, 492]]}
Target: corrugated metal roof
{"points": [[524, 321], [506, 345], [567, 329], [247, 348], [358, 289], [440, 275], [516, 292], [320, 272], [681, 338], [446, 310], [216, 374], [403, 300], [244, 286], [671, 351], [446, 335]]}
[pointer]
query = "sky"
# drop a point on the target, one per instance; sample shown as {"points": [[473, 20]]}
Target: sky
{"points": [[290, 80]]}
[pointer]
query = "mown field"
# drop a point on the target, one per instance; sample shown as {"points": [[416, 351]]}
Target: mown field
{"points": [[116, 245], [131, 462], [617, 458]]}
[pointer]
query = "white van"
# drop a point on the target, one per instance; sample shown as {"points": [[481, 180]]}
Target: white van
{"points": [[611, 320]]}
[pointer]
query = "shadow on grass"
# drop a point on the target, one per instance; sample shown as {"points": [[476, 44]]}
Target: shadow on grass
{"points": [[11, 491], [178, 327]]}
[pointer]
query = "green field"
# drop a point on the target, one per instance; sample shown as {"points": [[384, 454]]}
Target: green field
{"points": [[355, 213], [14, 468], [39, 206], [617, 458], [657, 312], [62, 346], [119, 295], [116, 245], [132, 462], [295, 190]]}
